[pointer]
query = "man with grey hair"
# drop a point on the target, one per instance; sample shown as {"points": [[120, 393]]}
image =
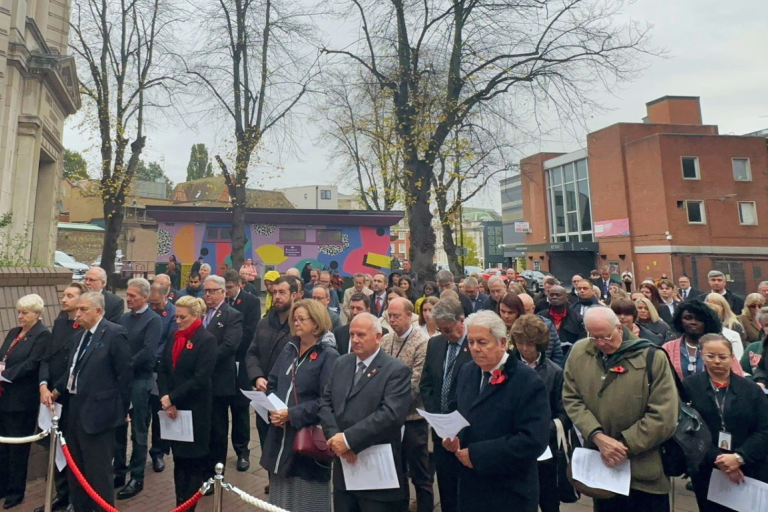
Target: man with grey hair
{"points": [[472, 290], [358, 286], [445, 281], [603, 375], [144, 329], [293, 272], [446, 354], [762, 289], [205, 271], [321, 293], [165, 280], [497, 288], [96, 281], [718, 283]]}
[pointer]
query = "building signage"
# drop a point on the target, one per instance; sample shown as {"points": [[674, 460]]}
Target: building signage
{"points": [[616, 227], [522, 227], [292, 250]]}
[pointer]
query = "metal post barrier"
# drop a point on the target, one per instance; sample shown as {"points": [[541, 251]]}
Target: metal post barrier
{"points": [[218, 491], [50, 483]]}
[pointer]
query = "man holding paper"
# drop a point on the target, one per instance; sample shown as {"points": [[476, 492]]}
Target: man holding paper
{"points": [[364, 405]]}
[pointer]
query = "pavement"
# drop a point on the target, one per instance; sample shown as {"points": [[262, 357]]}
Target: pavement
{"points": [[159, 496]]}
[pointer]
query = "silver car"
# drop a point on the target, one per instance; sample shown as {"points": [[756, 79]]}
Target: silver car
{"points": [[62, 259]]}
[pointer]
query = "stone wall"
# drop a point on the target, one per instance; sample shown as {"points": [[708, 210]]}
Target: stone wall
{"points": [[85, 246]]}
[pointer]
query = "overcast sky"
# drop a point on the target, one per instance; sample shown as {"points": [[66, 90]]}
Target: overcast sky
{"points": [[716, 50]]}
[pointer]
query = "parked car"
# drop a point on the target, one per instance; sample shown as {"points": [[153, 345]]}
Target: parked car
{"points": [[535, 279], [490, 272], [118, 262], [62, 259]]}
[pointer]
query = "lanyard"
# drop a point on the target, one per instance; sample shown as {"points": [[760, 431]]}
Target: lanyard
{"points": [[13, 346], [720, 405], [401, 346]]}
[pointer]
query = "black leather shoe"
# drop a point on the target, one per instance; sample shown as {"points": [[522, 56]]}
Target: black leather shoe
{"points": [[133, 488], [243, 464], [119, 482], [56, 504], [158, 465], [12, 502]]}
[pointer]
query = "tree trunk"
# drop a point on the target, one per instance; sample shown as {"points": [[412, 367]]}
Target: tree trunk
{"points": [[449, 246], [113, 227], [238, 227], [420, 220]]}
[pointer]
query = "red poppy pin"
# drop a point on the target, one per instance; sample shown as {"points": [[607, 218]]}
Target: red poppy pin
{"points": [[238, 302], [497, 376], [75, 325], [190, 345], [618, 369], [313, 356], [165, 313]]}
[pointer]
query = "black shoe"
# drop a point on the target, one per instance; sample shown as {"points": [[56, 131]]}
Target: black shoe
{"points": [[119, 482], [243, 464], [56, 504], [158, 465], [12, 502], [133, 488]]}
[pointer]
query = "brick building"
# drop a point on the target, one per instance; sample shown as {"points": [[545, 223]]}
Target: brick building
{"points": [[668, 195]]}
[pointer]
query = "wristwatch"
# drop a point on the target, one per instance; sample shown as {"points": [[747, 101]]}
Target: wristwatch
{"points": [[739, 459]]}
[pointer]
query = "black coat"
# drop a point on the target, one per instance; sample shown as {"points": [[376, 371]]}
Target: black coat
{"points": [[268, 342], [693, 294], [508, 430], [250, 307], [377, 312], [736, 302], [311, 377], [746, 418], [226, 325], [64, 338], [431, 384], [114, 307], [188, 386], [104, 385], [605, 295], [22, 368], [664, 312], [571, 329]]}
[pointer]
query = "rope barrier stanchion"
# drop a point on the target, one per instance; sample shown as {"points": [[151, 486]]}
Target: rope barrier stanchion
{"points": [[191, 502], [49, 484], [218, 495], [83, 482], [25, 440], [251, 500]]}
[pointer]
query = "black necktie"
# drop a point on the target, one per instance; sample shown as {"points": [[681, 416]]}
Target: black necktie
{"points": [[450, 362], [685, 294], [486, 378], [359, 373]]}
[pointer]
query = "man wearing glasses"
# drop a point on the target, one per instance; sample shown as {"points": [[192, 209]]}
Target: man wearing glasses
{"points": [[96, 280], [446, 354], [226, 324]]}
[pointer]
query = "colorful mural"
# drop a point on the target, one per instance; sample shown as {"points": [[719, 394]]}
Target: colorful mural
{"points": [[345, 249]]}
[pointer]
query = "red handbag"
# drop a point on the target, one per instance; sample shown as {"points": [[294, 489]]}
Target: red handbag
{"points": [[310, 441]]}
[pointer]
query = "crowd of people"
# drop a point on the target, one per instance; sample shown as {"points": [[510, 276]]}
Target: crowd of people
{"points": [[605, 361]]}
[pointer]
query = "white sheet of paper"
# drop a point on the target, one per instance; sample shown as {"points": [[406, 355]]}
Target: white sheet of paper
{"points": [[589, 469], [3, 379], [374, 469], [179, 429], [765, 390], [546, 455], [61, 460], [750, 496], [446, 426], [263, 404], [45, 418]]}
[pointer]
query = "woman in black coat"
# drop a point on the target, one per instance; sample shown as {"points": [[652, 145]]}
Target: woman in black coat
{"points": [[530, 337], [733, 405], [20, 357], [184, 383], [298, 378]]}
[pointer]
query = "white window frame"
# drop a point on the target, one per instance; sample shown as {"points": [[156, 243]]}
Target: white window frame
{"points": [[392, 248], [401, 248], [748, 166], [754, 212], [696, 165], [703, 212], [401, 235]]}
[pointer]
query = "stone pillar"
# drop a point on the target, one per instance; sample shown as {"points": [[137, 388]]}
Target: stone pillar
{"points": [[26, 165]]}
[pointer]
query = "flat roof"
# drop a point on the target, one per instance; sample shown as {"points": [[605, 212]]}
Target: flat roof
{"points": [[77, 226], [275, 216], [664, 98]]}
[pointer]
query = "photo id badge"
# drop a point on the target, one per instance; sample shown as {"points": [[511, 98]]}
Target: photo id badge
{"points": [[70, 383], [724, 441], [2, 366]]}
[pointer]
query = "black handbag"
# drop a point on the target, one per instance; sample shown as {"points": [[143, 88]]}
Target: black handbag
{"points": [[310, 441]]}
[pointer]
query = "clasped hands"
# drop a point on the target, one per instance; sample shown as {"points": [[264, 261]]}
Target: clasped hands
{"points": [[453, 445], [168, 407], [340, 448], [729, 464], [612, 452]]}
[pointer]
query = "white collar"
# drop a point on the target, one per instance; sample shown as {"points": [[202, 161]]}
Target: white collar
{"points": [[405, 335], [367, 361], [501, 363], [142, 310], [96, 326]]}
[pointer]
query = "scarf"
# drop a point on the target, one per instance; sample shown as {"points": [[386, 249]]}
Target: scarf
{"points": [[557, 318], [182, 337]]}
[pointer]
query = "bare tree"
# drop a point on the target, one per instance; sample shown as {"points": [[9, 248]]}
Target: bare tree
{"points": [[525, 52], [119, 44], [255, 65]]}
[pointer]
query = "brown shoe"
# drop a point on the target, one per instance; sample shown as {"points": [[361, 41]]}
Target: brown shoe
{"points": [[266, 489]]}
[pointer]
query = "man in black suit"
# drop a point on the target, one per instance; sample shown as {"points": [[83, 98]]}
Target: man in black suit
{"points": [[498, 288], [446, 354], [445, 281], [98, 386], [472, 290], [685, 290], [379, 295], [358, 303], [226, 324], [604, 282], [365, 403], [250, 307], [718, 285], [96, 280], [669, 302]]}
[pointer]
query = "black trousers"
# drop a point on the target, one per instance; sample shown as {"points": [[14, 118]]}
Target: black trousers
{"points": [[219, 433], [701, 489], [447, 469], [345, 501], [188, 476], [262, 427], [241, 426], [160, 447], [416, 464], [637, 501], [14, 458], [92, 453], [549, 499]]}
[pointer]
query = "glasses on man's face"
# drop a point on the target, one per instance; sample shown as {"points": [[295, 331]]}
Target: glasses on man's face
{"points": [[446, 330], [719, 357], [211, 291], [600, 338], [395, 316]]}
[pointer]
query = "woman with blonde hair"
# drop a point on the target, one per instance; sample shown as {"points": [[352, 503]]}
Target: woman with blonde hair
{"points": [[648, 317], [729, 319], [729, 334], [748, 317]]}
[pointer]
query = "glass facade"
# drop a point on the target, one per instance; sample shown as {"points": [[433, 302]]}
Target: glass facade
{"points": [[570, 208]]}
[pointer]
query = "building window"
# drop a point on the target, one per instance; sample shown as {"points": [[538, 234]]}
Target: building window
{"points": [[401, 235], [401, 248], [691, 168], [570, 210], [392, 248], [329, 236], [325, 194], [748, 213], [293, 235], [217, 235], [741, 170], [695, 210]]}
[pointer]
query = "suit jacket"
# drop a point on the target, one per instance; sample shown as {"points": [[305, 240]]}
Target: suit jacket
{"points": [[605, 295], [64, 338], [22, 368], [664, 312], [249, 306], [114, 307], [693, 294], [104, 384], [508, 430], [189, 388], [342, 338], [371, 413], [736, 302], [374, 311], [478, 304], [226, 325], [431, 384]]}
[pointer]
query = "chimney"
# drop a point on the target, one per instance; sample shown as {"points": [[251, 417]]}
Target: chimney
{"points": [[674, 110]]}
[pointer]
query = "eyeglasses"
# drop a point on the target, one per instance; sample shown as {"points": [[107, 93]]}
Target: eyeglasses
{"points": [[397, 316], [300, 320], [599, 338], [719, 357], [211, 291], [447, 330]]}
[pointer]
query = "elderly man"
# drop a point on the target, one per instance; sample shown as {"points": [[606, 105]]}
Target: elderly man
{"points": [[554, 347], [762, 289], [165, 280], [472, 290], [144, 329], [445, 281], [205, 271], [410, 346], [607, 396], [96, 280], [446, 354], [358, 286], [99, 392], [569, 324], [573, 295], [497, 289], [685, 290], [507, 407], [365, 403], [322, 294], [717, 284], [587, 297]]}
